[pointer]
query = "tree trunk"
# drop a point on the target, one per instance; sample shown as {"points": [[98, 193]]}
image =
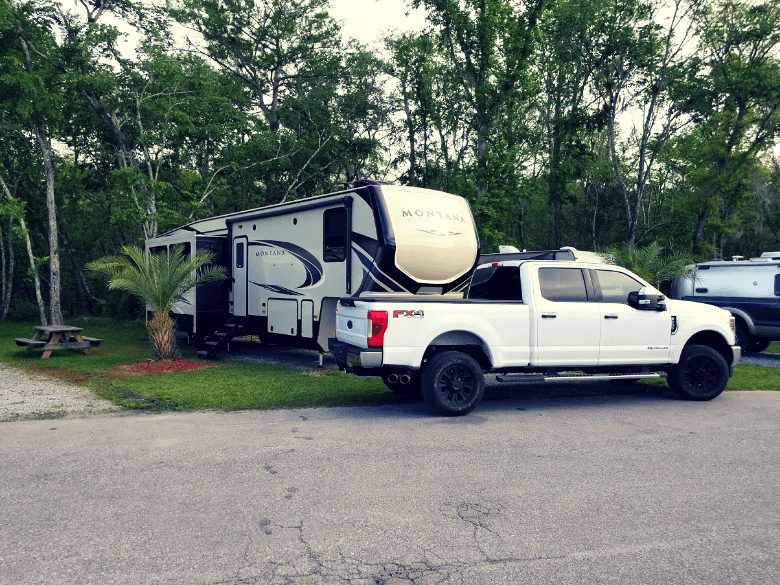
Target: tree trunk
{"points": [[34, 270], [412, 149], [630, 217], [55, 307], [127, 158], [482, 128], [31, 257], [7, 270], [38, 129], [698, 235], [78, 276]]}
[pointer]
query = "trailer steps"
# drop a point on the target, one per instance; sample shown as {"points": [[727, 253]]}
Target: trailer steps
{"points": [[219, 341]]}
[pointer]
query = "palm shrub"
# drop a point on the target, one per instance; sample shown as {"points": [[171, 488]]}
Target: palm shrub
{"points": [[161, 280], [651, 262]]}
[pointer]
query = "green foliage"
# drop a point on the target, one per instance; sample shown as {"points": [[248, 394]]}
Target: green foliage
{"points": [[525, 107], [159, 279], [231, 385], [733, 96], [652, 262], [750, 377], [239, 385]]}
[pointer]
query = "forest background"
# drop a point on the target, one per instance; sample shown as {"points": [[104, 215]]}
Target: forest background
{"points": [[564, 122]]}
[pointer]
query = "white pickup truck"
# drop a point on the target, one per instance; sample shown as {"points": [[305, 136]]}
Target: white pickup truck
{"points": [[541, 320]]}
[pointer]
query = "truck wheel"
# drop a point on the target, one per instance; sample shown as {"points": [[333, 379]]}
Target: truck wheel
{"points": [[452, 383], [743, 336], [394, 384], [702, 374], [756, 345]]}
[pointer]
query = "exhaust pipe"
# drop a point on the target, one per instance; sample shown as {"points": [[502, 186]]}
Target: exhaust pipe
{"points": [[392, 378], [405, 379]]}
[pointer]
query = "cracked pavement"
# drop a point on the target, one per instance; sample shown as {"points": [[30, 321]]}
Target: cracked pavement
{"points": [[537, 486]]}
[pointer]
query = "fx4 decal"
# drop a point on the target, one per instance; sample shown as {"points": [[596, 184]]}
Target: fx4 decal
{"points": [[405, 313]]}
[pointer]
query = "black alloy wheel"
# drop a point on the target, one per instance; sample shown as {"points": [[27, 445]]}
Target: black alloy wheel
{"points": [[702, 374], [452, 383]]}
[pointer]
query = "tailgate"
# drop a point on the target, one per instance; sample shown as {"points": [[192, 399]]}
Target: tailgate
{"points": [[352, 325]]}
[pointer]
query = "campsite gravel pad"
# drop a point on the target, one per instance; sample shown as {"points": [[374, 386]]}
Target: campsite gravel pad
{"points": [[24, 396], [302, 359], [769, 360]]}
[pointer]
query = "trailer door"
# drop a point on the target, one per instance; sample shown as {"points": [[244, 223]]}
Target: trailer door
{"points": [[240, 271]]}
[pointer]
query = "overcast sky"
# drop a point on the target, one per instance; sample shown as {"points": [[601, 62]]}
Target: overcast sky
{"points": [[367, 20]]}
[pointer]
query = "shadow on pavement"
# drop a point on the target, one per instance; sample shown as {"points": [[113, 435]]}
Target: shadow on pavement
{"points": [[498, 395]]}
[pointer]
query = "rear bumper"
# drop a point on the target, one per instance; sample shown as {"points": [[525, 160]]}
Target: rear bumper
{"points": [[356, 360]]}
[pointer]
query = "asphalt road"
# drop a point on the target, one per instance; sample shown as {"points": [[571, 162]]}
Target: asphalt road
{"points": [[539, 485]]}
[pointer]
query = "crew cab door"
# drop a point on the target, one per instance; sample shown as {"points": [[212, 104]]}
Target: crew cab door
{"points": [[568, 320], [628, 335]]}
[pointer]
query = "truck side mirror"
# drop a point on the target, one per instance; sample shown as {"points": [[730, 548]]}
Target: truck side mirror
{"points": [[647, 299]]}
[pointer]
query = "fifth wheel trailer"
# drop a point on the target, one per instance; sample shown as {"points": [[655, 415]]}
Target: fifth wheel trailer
{"points": [[289, 263]]}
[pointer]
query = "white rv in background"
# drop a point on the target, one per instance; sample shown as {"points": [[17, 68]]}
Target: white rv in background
{"points": [[288, 264], [749, 289]]}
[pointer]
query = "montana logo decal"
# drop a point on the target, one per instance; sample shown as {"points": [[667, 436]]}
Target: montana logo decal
{"points": [[433, 213]]}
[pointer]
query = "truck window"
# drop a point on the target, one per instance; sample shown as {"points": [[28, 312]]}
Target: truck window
{"points": [[334, 235], [563, 285], [497, 283], [777, 285], [615, 286]]}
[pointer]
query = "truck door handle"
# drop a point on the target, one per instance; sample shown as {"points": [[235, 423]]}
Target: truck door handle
{"points": [[548, 315], [610, 316]]}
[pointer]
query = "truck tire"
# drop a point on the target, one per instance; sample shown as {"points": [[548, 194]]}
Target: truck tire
{"points": [[743, 336], [411, 388], [452, 383], [756, 345], [702, 374]]}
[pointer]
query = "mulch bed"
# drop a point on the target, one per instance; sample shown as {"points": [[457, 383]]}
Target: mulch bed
{"points": [[137, 370], [145, 369]]}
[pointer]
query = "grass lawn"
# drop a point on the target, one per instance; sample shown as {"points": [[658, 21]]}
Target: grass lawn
{"points": [[228, 384]]}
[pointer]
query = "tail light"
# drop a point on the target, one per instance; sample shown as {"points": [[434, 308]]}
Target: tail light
{"points": [[378, 325]]}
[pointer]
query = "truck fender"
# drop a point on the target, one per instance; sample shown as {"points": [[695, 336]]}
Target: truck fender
{"points": [[711, 339], [465, 340], [745, 318]]}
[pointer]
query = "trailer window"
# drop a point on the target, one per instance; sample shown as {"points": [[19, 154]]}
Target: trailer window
{"points": [[777, 285], [217, 249], [563, 285], [240, 255], [334, 235], [156, 250], [497, 283]]}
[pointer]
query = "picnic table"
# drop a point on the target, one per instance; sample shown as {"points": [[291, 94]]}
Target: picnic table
{"points": [[50, 338]]}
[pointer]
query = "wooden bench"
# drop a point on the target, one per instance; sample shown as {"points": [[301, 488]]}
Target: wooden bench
{"points": [[22, 341], [50, 338]]}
